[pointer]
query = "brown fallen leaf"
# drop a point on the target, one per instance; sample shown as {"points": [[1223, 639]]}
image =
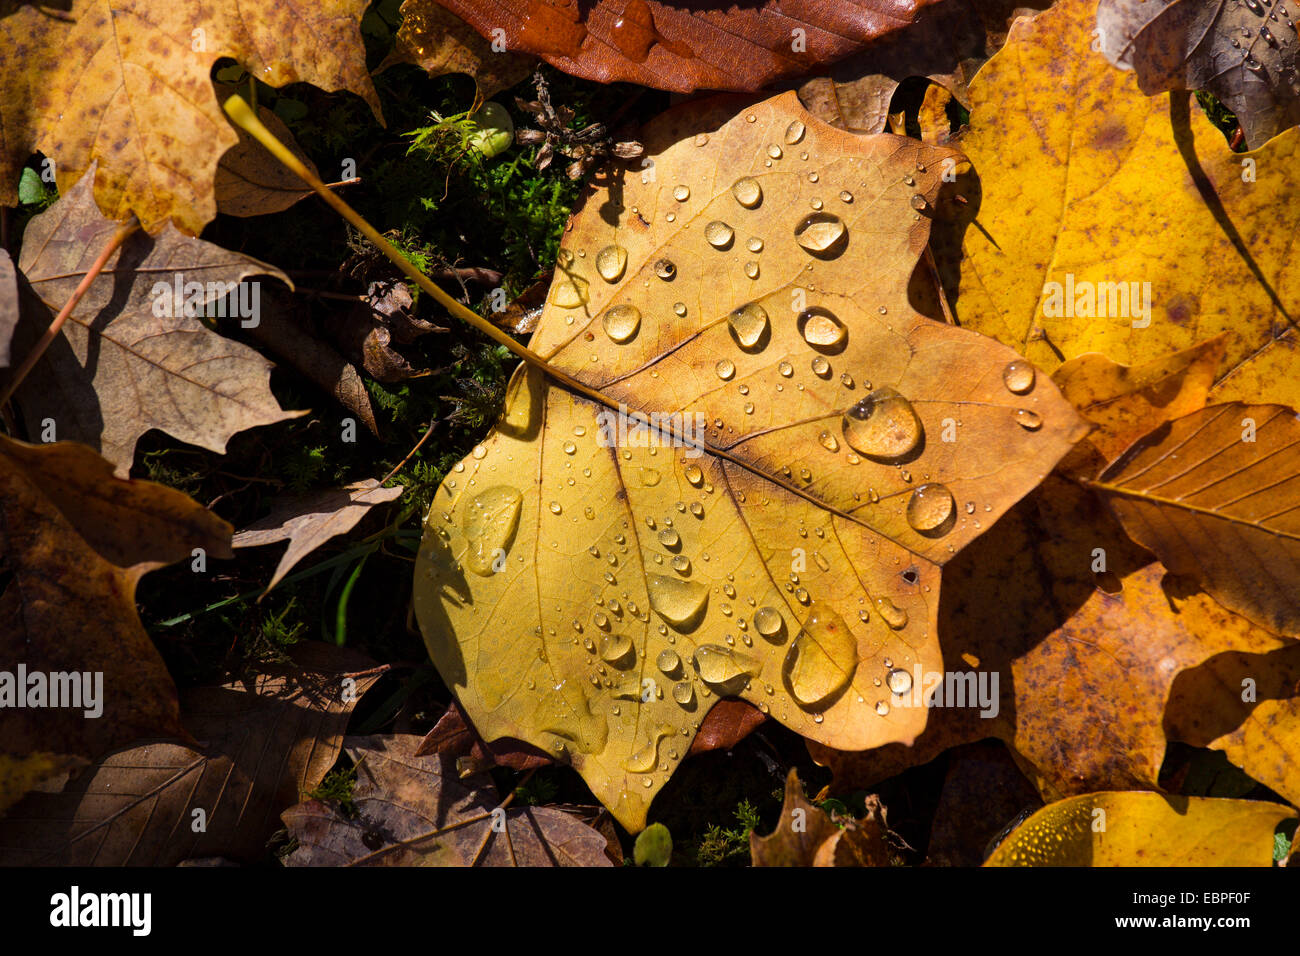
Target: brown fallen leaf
{"points": [[366, 331], [726, 724], [1216, 495], [74, 542], [21, 775], [947, 43], [439, 42], [1241, 52], [1124, 402], [817, 496], [455, 738], [308, 521], [706, 45], [807, 836], [411, 812], [8, 305], [130, 358], [127, 83], [983, 790], [1084, 648], [265, 740], [249, 181]]}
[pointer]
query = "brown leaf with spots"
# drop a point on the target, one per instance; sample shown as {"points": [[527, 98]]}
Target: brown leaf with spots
{"points": [[133, 355], [709, 45], [1245, 53], [439, 42], [411, 812], [74, 542], [807, 836], [308, 521], [127, 83], [264, 741]]}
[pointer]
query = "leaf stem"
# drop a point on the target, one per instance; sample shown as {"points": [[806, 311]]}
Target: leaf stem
{"points": [[114, 243]]}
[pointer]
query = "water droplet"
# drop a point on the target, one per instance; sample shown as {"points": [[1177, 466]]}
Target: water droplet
{"points": [[813, 177], [882, 426], [821, 561], [668, 661], [815, 203], [683, 692], [747, 191], [718, 234], [650, 477], [900, 681], [882, 708], [610, 262], [682, 193], [931, 509], [724, 669], [697, 509], [918, 202], [891, 613], [490, 523], [822, 659], [748, 324], [669, 538], [621, 322], [821, 329], [679, 308], [665, 269], [846, 196], [821, 368], [751, 269], [679, 602], [794, 132], [681, 563], [569, 291], [725, 369], [822, 234], [701, 139], [694, 475], [479, 452], [570, 448], [601, 620], [829, 441], [1018, 376], [616, 649], [786, 369], [1030, 421], [774, 151], [769, 623]]}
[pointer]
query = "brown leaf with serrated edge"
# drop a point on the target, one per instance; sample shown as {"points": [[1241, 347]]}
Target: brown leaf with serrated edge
{"points": [[1124, 402], [1248, 706], [947, 43], [1216, 495], [1084, 635], [439, 42], [8, 305], [249, 180], [1241, 52], [74, 542], [127, 83], [710, 45], [411, 811], [982, 791], [264, 740], [820, 429], [807, 836], [308, 521], [120, 368]]}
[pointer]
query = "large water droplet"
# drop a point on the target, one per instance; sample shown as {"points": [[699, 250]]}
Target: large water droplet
{"points": [[682, 193], [794, 132], [724, 669], [891, 613], [822, 659], [611, 261], [569, 291], [616, 649], [669, 538], [645, 759], [684, 692], [1018, 376], [821, 329], [665, 269], [883, 426], [1030, 421], [679, 602], [490, 523], [748, 324], [822, 234], [668, 661], [900, 681], [769, 623], [621, 322], [650, 477], [931, 510], [718, 234], [747, 191]]}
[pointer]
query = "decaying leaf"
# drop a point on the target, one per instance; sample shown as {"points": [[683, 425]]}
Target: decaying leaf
{"points": [[132, 356], [439, 42], [1243, 53], [1248, 706], [265, 740], [708, 45], [1095, 199], [74, 542], [20, 775], [8, 305], [1216, 495], [594, 595], [456, 739], [1062, 638], [807, 836], [1117, 829], [127, 83], [250, 181], [308, 521], [1124, 402], [366, 332], [409, 812]]}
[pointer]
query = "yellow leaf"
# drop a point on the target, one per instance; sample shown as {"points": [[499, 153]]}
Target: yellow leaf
{"points": [[1134, 828]]}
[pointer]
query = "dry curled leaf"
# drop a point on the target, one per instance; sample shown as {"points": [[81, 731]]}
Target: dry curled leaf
{"points": [[264, 740], [807, 836], [132, 355], [308, 521], [1216, 495], [127, 83], [409, 812], [586, 593], [439, 42], [1243, 53]]}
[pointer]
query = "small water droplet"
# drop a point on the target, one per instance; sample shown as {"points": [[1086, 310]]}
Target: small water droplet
{"points": [[723, 668], [725, 369], [616, 649], [1018, 376], [679, 308], [668, 661], [1030, 421], [621, 322], [829, 441], [754, 244], [682, 193], [681, 564], [931, 509], [701, 139], [774, 151], [846, 196], [751, 269], [748, 324], [665, 269], [683, 692], [821, 329], [821, 368], [882, 708], [786, 369], [918, 202], [747, 191], [900, 681], [694, 475], [822, 234]]}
